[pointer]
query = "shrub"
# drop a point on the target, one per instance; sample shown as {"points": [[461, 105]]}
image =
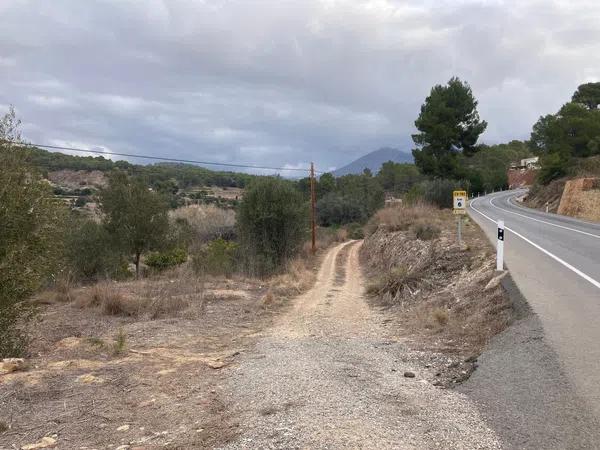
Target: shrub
{"points": [[92, 254], [334, 209], [30, 236], [207, 222], [425, 231], [440, 315], [355, 231], [166, 259], [272, 224], [217, 258], [437, 192]]}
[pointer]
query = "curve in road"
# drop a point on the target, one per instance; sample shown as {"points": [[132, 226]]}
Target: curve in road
{"points": [[555, 262]]}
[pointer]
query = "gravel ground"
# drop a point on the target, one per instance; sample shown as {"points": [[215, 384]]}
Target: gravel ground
{"points": [[329, 375]]}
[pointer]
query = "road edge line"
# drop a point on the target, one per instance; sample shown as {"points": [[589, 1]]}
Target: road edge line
{"points": [[543, 250]]}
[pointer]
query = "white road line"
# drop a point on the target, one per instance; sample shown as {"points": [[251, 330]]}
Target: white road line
{"points": [[542, 221], [543, 250]]}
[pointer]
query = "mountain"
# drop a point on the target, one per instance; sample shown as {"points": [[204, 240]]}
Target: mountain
{"points": [[374, 160]]}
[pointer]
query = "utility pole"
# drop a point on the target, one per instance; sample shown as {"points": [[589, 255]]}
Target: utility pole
{"points": [[313, 208]]}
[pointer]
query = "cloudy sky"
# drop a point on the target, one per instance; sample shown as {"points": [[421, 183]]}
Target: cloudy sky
{"points": [[282, 82]]}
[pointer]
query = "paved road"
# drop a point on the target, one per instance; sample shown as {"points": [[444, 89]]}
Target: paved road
{"points": [[555, 262]]}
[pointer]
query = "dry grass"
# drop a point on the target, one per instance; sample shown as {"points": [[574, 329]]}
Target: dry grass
{"points": [[297, 278], [440, 315], [206, 221], [435, 286], [152, 298], [423, 218], [64, 289]]}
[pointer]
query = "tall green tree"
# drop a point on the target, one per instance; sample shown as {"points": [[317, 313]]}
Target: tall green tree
{"points": [[135, 216], [448, 125], [397, 177], [272, 223], [30, 235], [588, 94]]}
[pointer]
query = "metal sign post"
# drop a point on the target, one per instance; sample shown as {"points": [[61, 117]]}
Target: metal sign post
{"points": [[500, 246], [459, 202]]}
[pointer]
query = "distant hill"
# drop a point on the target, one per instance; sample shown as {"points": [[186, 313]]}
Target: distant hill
{"points": [[374, 160]]}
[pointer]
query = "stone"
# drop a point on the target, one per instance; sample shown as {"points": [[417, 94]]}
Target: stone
{"points": [[216, 364], [123, 428], [45, 442], [408, 374]]}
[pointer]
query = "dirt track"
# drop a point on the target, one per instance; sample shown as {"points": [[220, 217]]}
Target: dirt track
{"points": [[329, 375]]}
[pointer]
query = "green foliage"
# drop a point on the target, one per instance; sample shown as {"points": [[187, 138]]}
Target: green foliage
{"points": [[135, 216], [92, 253], [437, 192], [334, 209], [166, 259], [588, 94], [355, 231], [30, 245], [166, 178], [448, 124], [487, 169], [573, 132], [554, 166], [398, 178], [272, 223], [217, 258]]}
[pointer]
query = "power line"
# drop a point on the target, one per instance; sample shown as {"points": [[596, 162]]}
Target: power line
{"points": [[159, 158]]}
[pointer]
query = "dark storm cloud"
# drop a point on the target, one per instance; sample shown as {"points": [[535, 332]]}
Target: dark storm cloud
{"points": [[279, 81]]}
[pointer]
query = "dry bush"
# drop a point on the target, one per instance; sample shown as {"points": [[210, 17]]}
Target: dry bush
{"points": [[107, 297], [63, 290], [400, 218], [393, 283], [424, 230], [297, 278], [207, 221], [440, 315]]}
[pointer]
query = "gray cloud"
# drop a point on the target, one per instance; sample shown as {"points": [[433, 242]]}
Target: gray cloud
{"points": [[282, 81]]}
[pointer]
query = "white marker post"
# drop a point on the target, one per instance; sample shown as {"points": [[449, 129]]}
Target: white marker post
{"points": [[500, 247]]}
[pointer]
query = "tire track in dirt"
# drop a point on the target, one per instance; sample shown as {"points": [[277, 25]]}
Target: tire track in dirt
{"points": [[328, 374]]}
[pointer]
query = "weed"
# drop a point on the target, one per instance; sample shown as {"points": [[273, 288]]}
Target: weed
{"points": [[120, 343], [96, 342], [63, 289], [425, 231], [3, 427], [440, 315]]}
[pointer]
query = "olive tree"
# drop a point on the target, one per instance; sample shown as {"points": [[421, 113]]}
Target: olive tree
{"points": [[134, 215]]}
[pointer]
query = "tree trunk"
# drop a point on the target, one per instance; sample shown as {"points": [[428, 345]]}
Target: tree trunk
{"points": [[137, 265]]}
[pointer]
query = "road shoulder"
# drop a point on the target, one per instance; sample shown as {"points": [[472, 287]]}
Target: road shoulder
{"points": [[523, 392]]}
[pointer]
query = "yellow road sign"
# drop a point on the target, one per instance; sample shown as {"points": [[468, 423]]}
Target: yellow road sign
{"points": [[459, 201]]}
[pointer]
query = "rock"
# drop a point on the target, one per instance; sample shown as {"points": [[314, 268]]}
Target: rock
{"points": [[45, 442], [408, 374], [437, 383], [216, 364], [494, 281], [13, 365], [123, 428], [471, 359]]}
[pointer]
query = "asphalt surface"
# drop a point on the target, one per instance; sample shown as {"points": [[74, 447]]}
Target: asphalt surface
{"points": [[539, 381]]}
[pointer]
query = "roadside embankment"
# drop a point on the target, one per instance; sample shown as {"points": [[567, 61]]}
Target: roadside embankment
{"points": [[444, 297]]}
